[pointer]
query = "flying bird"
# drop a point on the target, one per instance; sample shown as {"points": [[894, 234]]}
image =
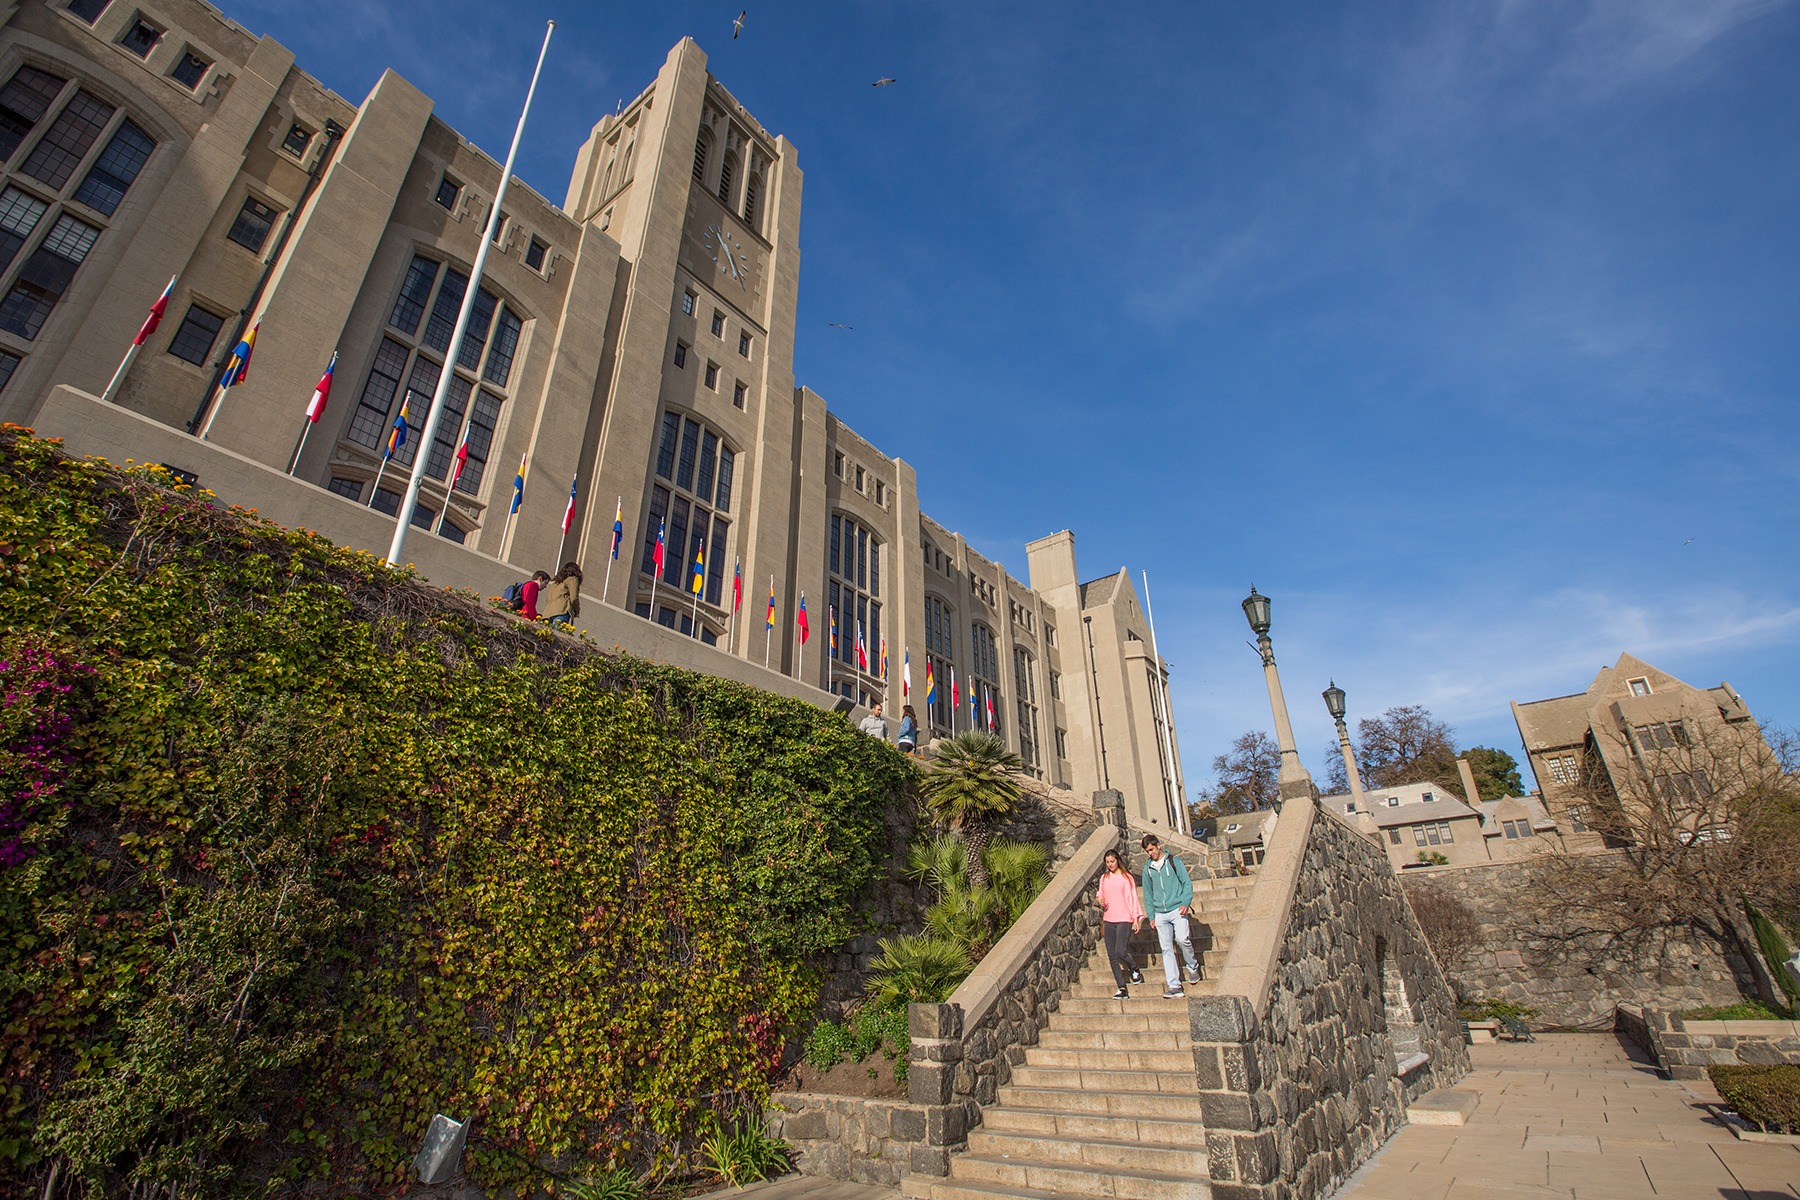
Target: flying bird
{"points": [[737, 26], [883, 81], [835, 325]]}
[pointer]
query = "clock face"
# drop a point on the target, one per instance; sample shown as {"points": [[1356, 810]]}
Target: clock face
{"points": [[728, 253]]}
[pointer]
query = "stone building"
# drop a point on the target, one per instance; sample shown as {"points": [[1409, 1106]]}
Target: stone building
{"points": [[1414, 822], [1639, 732], [632, 344]]}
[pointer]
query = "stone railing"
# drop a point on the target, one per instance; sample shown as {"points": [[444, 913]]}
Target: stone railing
{"points": [[1328, 998], [964, 1049], [1683, 1047]]}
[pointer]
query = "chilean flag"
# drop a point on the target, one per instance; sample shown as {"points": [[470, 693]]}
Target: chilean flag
{"points": [[737, 585], [462, 460], [862, 649], [316, 408], [656, 555], [800, 620], [955, 696], [988, 697], [906, 674], [156, 315], [569, 512]]}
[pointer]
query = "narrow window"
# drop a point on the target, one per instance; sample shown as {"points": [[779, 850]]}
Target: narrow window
{"points": [[712, 375], [67, 141], [727, 462], [251, 229], [19, 214], [738, 394], [506, 346], [702, 148], [448, 191], [414, 292], [46, 275], [534, 254], [881, 493], [24, 100], [88, 10], [837, 464], [1394, 836], [141, 37], [744, 344], [9, 362], [665, 451], [194, 340], [190, 69], [500, 228], [681, 354], [726, 170], [690, 447], [116, 169], [297, 139], [752, 194], [687, 301], [718, 323], [1640, 687], [442, 321], [859, 479]]}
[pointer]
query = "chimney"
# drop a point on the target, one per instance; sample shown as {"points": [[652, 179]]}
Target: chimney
{"points": [[1468, 781]]}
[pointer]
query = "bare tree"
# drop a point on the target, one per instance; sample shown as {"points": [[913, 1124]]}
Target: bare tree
{"points": [[1451, 927], [1247, 775], [1700, 818], [1406, 744]]}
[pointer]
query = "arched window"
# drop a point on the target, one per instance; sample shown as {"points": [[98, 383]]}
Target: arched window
{"points": [[984, 679], [852, 592], [625, 163], [727, 170], [940, 652], [1025, 688], [702, 151], [752, 199], [695, 470], [410, 361]]}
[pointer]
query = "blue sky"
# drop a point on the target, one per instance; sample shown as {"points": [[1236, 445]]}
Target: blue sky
{"points": [[1467, 331]]}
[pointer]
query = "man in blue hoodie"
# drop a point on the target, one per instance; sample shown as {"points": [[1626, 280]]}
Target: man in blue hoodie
{"points": [[1168, 898]]}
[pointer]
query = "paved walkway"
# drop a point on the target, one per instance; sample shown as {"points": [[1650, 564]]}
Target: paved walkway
{"points": [[805, 1187], [1579, 1117]]}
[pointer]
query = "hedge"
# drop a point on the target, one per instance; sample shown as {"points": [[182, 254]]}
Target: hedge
{"points": [[1767, 1095], [296, 850]]}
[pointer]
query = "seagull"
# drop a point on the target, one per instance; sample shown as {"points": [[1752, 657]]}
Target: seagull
{"points": [[884, 81], [737, 26], [835, 325], [1689, 540]]}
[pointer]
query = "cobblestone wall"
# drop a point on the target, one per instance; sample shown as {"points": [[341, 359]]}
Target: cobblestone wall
{"points": [[1296, 1095], [1571, 975], [1684, 1048], [848, 1137]]}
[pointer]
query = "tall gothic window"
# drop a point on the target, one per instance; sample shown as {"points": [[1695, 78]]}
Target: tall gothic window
{"points": [[940, 651], [695, 469], [1025, 689], [853, 592], [984, 677], [702, 151]]}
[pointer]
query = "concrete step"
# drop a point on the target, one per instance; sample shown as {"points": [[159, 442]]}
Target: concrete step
{"points": [[1049, 1122], [923, 1187], [1087, 1079], [1150, 989], [1107, 1014], [1089, 1152], [1154, 1106], [1115, 1060], [1070, 1179], [1106, 1038]]}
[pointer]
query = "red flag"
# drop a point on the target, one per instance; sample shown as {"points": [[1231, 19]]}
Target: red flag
{"points": [[316, 408], [737, 586], [800, 620], [569, 512], [462, 460], [156, 315]]}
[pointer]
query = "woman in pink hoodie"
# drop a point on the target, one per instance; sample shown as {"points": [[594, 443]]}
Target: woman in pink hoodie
{"points": [[1122, 914]]}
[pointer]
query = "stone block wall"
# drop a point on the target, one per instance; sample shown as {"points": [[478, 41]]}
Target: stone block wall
{"points": [[1684, 1048], [849, 1137], [1573, 975], [1301, 1088]]}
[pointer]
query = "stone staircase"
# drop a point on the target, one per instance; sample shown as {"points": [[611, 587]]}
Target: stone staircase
{"points": [[1106, 1104]]}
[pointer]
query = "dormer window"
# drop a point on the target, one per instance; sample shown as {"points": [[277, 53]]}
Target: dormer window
{"points": [[1640, 687], [1233, 827], [1393, 802], [1427, 798]]}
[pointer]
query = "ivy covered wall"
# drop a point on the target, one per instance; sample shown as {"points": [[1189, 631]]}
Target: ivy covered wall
{"points": [[295, 851]]}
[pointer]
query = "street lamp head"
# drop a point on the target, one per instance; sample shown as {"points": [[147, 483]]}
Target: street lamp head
{"points": [[1256, 609], [1334, 701]]}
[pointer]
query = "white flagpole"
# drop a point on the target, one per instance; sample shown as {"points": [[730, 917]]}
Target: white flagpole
{"points": [[376, 486], [1160, 699], [304, 430], [506, 529], [470, 293], [131, 352], [611, 557]]}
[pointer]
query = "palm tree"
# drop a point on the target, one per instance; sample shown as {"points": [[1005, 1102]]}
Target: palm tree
{"points": [[973, 779]]}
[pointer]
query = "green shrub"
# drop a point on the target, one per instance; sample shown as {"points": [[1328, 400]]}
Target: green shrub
{"points": [[830, 1044], [916, 968], [1767, 1095], [1744, 1010], [312, 850], [608, 1185], [1495, 1010], [1019, 872], [744, 1154]]}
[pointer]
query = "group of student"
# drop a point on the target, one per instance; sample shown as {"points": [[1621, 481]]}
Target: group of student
{"points": [[875, 725], [1168, 901], [545, 597]]}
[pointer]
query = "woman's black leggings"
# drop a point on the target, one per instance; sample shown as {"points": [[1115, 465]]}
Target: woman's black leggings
{"points": [[1118, 950]]}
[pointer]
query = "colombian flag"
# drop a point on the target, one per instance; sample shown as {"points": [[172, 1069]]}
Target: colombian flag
{"points": [[618, 527], [699, 569], [397, 438], [930, 684], [238, 366], [831, 611], [769, 621], [518, 487], [884, 659]]}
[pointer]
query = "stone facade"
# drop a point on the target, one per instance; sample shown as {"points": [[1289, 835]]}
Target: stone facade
{"points": [[1683, 1048], [849, 1137], [1304, 1081], [1574, 976]]}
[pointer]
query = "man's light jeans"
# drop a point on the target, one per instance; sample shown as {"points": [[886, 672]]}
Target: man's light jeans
{"points": [[1172, 930]]}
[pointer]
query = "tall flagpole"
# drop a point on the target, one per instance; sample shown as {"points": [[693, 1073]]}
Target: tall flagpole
{"points": [[768, 624], [611, 558], [426, 439], [1160, 699], [131, 353], [513, 507]]}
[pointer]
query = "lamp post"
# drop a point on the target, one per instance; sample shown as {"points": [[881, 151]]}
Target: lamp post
{"points": [[1334, 704], [1293, 782]]}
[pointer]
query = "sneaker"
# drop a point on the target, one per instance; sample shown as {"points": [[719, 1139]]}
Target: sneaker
{"points": [[1137, 976], [1120, 994], [1191, 974], [1174, 993]]}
